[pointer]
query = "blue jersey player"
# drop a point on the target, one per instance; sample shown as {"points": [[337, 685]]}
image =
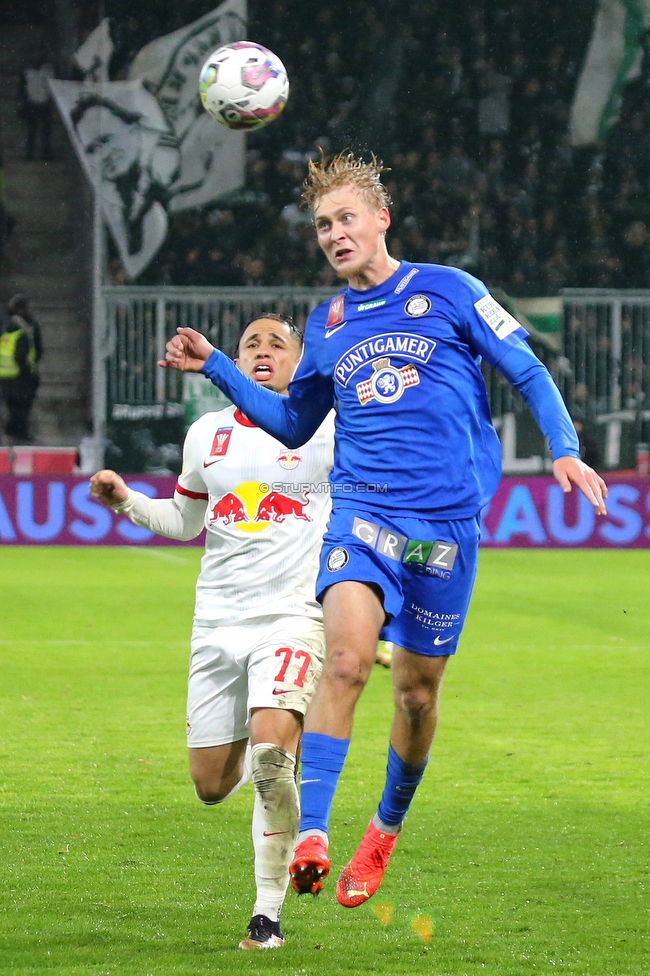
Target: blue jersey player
{"points": [[398, 355]]}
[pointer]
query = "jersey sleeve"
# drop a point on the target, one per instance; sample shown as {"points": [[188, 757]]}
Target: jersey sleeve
{"points": [[190, 481], [530, 377], [178, 518], [182, 516], [494, 334], [291, 419], [484, 324]]}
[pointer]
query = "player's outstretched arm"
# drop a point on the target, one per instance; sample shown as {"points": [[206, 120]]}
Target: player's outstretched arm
{"points": [[525, 371], [180, 517], [571, 470], [109, 488], [187, 351], [292, 419]]}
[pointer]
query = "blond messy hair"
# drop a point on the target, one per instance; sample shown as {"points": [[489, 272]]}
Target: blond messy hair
{"points": [[345, 169]]}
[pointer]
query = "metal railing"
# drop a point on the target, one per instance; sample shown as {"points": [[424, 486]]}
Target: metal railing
{"points": [[602, 368], [606, 338], [139, 321]]}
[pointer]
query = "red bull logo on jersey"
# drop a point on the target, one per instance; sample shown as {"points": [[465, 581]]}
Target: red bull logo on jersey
{"points": [[387, 383], [252, 507], [289, 460], [276, 507], [229, 509]]}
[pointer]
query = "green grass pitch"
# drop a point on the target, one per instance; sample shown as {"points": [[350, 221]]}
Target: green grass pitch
{"points": [[525, 850]]}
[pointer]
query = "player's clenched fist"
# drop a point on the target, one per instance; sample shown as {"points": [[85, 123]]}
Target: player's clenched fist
{"points": [[187, 351], [108, 487]]}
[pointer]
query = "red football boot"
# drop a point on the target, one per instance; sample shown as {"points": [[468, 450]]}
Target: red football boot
{"points": [[310, 866], [361, 876]]}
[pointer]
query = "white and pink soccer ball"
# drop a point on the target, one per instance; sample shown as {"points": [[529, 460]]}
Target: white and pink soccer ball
{"points": [[243, 85]]}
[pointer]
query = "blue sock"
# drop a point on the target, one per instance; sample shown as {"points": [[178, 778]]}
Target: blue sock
{"points": [[402, 780], [322, 761]]}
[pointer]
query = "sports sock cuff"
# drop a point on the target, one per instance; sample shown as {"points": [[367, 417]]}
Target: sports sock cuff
{"points": [[410, 772], [402, 780], [323, 757], [324, 751]]}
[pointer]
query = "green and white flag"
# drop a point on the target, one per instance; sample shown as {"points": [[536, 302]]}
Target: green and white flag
{"points": [[211, 156], [613, 58]]}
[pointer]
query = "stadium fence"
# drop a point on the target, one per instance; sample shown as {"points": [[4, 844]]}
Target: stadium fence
{"points": [[602, 365], [606, 341]]}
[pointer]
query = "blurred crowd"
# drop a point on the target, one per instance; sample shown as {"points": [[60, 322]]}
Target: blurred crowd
{"points": [[468, 105]]}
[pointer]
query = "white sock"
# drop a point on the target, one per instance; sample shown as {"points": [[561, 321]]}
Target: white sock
{"points": [[304, 834], [245, 777], [275, 824]]}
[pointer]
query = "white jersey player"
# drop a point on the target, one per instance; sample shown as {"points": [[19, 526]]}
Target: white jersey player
{"points": [[257, 639]]}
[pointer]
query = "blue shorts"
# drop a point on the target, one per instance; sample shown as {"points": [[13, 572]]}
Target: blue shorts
{"points": [[425, 570]]}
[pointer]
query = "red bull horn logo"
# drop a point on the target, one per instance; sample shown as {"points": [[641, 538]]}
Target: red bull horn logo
{"points": [[230, 508], [289, 460], [251, 507]]}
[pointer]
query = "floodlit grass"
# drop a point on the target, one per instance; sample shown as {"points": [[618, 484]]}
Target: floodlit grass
{"points": [[525, 851]]}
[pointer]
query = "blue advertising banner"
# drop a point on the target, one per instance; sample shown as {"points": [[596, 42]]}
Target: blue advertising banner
{"points": [[525, 512]]}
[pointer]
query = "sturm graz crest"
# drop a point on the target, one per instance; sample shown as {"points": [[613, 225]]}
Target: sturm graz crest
{"points": [[387, 383], [337, 559], [417, 305]]}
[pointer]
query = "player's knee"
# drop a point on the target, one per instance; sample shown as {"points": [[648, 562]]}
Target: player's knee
{"points": [[346, 669], [417, 702], [210, 792], [273, 771]]}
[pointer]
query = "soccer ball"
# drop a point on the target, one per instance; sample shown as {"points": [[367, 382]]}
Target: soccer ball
{"points": [[243, 85]]}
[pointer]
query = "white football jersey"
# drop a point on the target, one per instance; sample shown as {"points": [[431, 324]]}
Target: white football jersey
{"points": [[267, 511]]}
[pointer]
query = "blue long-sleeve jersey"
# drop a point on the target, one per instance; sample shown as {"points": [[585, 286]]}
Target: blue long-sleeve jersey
{"points": [[400, 363]]}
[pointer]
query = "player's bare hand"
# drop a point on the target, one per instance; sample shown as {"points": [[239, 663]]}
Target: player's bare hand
{"points": [[570, 470], [108, 487], [187, 351]]}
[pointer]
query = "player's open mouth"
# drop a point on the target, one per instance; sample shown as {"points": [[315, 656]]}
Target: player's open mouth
{"points": [[262, 372], [342, 253]]}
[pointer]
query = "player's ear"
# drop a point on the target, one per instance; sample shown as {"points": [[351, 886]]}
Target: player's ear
{"points": [[383, 216]]}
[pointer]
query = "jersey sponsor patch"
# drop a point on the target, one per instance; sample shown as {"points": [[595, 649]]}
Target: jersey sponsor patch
{"points": [[252, 507], [417, 305], [407, 345], [289, 460], [387, 383], [336, 311], [219, 446], [501, 322], [401, 285], [337, 559], [366, 306], [441, 555]]}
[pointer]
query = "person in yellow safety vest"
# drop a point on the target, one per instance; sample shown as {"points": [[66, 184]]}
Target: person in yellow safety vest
{"points": [[21, 349]]}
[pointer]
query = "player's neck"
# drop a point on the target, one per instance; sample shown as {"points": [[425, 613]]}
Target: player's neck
{"points": [[374, 273]]}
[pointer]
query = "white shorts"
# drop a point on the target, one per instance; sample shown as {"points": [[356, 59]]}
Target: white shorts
{"points": [[265, 662]]}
